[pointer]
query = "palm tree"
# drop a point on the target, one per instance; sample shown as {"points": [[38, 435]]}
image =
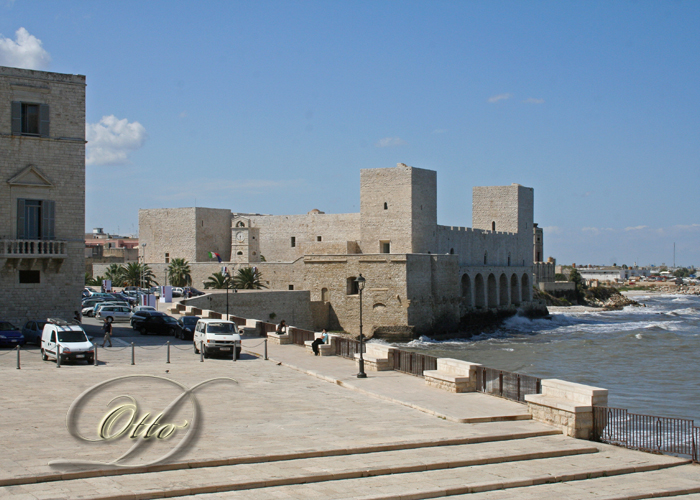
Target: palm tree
{"points": [[96, 281], [218, 281], [88, 279], [136, 274], [115, 274], [248, 278], [179, 272]]}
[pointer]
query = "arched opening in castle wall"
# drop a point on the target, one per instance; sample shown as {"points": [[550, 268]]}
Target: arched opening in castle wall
{"points": [[525, 288], [492, 290], [467, 289], [514, 290], [503, 290], [479, 292]]}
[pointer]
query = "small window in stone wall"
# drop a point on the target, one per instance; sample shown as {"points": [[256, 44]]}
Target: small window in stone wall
{"points": [[352, 288], [319, 238], [509, 259], [167, 258], [239, 253], [493, 226], [486, 258], [452, 251], [291, 287], [385, 247], [30, 277], [294, 241], [386, 206]]}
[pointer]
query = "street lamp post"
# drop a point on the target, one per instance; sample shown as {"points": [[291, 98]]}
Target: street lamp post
{"points": [[228, 284], [360, 286], [143, 265]]}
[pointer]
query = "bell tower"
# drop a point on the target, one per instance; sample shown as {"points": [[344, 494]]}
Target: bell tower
{"points": [[244, 241]]}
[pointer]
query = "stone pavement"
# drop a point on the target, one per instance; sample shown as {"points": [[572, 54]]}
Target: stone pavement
{"points": [[283, 431]]}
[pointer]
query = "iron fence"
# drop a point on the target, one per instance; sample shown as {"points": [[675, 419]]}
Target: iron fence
{"points": [[300, 336], [505, 384], [347, 348], [672, 436], [412, 363]]}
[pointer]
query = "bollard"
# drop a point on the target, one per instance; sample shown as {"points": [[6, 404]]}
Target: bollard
{"points": [[234, 351], [95, 358], [132, 354], [58, 355], [265, 348], [201, 351], [18, 349], [168, 360]]}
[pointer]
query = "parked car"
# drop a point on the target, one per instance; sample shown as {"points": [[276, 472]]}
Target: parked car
{"points": [[131, 289], [217, 336], [100, 305], [92, 301], [161, 324], [70, 338], [10, 335], [140, 316], [127, 298], [187, 324], [115, 312], [136, 309], [177, 291], [32, 331]]}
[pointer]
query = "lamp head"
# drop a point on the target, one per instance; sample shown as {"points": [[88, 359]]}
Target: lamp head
{"points": [[360, 282]]}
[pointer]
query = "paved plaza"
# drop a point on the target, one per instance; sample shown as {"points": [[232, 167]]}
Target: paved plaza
{"points": [[294, 426]]}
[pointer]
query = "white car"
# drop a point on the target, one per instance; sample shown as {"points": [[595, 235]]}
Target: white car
{"points": [[116, 313], [216, 336], [136, 309], [178, 291], [68, 339]]}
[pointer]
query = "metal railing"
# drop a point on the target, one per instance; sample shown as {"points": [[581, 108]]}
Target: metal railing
{"points": [[672, 436], [34, 248], [505, 384], [300, 336], [412, 363], [347, 348]]}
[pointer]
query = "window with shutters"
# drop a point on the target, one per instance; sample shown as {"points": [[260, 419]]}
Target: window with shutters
{"points": [[30, 119], [36, 219]]}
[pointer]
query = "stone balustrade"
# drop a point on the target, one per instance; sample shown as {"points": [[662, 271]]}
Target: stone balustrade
{"points": [[19, 249], [567, 405]]}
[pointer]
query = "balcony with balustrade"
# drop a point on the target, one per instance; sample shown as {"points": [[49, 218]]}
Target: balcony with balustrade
{"points": [[26, 253]]}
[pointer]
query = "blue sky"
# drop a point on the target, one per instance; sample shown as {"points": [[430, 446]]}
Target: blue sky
{"points": [[274, 107]]}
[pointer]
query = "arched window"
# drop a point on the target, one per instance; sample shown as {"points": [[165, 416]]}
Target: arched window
{"points": [[386, 207], [452, 251], [509, 258], [240, 223], [493, 226]]}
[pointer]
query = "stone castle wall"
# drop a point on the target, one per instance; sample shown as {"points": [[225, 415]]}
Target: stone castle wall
{"points": [[60, 158]]}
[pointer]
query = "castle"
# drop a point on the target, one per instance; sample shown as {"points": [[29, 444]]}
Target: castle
{"points": [[419, 274]]}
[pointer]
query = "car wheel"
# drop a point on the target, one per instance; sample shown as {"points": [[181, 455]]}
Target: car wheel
{"points": [[90, 361], [172, 333], [143, 331], [44, 356], [196, 351]]}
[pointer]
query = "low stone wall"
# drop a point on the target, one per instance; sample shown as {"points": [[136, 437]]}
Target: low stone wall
{"points": [[292, 306], [558, 286]]}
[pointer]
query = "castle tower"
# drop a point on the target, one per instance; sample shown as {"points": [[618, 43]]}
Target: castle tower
{"points": [[245, 241], [398, 210], [503, 208]]}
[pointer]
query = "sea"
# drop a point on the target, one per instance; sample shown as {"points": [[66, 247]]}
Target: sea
{"points": [[647, 357]]}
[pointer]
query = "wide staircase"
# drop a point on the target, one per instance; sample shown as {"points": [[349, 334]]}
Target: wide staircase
{"points": [[537, 464]]}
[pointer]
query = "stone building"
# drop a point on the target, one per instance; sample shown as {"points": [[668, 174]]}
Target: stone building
{"points": [[42, 193], [420, 275]]}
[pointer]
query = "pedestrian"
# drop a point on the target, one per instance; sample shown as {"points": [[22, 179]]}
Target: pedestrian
{"points": [[107, 327], [282, 328], [323, 339]]}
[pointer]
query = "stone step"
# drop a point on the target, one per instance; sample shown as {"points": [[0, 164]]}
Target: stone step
{"points": [[513, 477], [253, 478], [680, 483], [482, 433]]}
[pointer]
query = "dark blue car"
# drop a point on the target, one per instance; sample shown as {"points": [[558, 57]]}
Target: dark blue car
{"points": [[10, 335]]}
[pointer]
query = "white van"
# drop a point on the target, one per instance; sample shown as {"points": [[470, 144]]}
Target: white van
{"points": [[74, 344], [216, 336]]}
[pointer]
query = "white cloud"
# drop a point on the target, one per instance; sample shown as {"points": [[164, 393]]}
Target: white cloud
{"points": [[388, 142], [25, 51], [183, 114], [111, 140], [635, 228], [532, 100], [499, 97], [551, 230]]}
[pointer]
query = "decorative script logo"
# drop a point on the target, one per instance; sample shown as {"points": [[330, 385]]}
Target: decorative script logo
{"points": [[125, 421]]}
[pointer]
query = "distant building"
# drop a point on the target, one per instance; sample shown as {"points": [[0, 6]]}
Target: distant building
{"points": [[419, 274], [105, 248], [611, 274], [42, 193]]}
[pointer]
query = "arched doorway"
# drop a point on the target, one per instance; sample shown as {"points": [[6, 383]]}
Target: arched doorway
{"points": [[525, 288], [479, 292], [514, 290], [467, 289], [492, 290], [503, 299]]}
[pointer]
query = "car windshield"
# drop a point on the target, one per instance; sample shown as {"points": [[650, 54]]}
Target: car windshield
{"points": [[221, 328], [190, 320], [7, 327], [168, 319], [71, 336]]}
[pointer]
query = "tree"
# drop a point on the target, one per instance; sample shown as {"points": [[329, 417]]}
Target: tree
{"points": [[218, 281], [115, 274], [682, 272], [96, 281], [88, 278], [136, 274], [575, 277], [179, 272], [248, 278]]}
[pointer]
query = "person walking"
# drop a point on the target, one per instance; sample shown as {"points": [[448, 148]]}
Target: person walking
{"points": [[107, 327]]}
